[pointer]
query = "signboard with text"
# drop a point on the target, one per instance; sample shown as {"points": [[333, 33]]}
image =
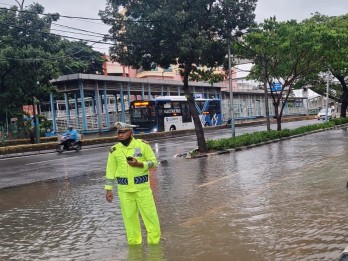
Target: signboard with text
{"points": [[29, 109], [276, 86]]}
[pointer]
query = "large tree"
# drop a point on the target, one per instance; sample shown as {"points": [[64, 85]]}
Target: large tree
{"points": [[26, 61], [335, 50], [31, 56], [177, 32], [283, 52], [79, 57]]}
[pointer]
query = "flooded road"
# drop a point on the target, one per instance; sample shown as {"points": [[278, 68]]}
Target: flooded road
{"points": [[281, 201]]}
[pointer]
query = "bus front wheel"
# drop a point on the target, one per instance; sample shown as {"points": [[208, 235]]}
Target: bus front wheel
{"points": [[172, 128]]}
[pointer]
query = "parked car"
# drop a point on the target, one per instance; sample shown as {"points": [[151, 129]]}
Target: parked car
{"points": [[331, 114]]}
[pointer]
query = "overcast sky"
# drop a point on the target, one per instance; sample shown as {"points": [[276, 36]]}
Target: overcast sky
{"points": [[282, 9]]}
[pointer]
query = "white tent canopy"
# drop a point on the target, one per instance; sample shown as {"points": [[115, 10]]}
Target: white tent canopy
{"points": [[305, 94]]}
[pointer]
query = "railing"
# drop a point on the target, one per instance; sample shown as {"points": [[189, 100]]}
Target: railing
{"points": [[91, 121]]}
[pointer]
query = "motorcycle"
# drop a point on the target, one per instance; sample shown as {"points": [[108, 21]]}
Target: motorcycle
{"points": [[64, 145]]}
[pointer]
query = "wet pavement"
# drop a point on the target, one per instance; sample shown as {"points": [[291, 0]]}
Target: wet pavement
{"points": [[280, 201]]}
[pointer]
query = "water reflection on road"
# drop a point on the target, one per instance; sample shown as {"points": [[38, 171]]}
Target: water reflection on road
{"points": [[281, 201]]}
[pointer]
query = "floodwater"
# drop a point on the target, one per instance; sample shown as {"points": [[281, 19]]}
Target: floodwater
{"points": [[280, 201]]}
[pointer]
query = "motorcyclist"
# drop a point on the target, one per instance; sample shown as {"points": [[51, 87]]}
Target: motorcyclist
{"points": [[71, 135]]}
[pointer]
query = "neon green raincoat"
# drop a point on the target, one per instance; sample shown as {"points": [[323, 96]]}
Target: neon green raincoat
{"points": [[134, 189]]}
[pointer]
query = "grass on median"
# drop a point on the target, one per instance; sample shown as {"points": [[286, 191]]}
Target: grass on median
{"points": [[248, 139]]}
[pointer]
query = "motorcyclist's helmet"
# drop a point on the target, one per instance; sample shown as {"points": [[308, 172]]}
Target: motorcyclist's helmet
{"points": [[70, 128]]}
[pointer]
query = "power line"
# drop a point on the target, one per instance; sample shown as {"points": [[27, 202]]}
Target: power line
{"points": [[65, 16], [47, 59], [70, 32], [57, 35], [70, 37], [77, 29], [86, 19], [81, 17]]}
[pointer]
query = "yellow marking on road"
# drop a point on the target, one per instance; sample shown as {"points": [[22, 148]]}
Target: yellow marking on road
{"points": [[214, 181], [44, 161], [198, 219]]}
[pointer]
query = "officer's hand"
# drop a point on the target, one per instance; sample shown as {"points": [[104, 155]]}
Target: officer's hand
{"points": [[109, 196], [135, 163]]}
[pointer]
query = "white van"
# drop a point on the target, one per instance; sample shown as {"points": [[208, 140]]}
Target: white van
{"points": [[331, 114]]}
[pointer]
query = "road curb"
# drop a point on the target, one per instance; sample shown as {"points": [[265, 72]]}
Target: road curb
{"points": [[190, 154], [43, 148]]}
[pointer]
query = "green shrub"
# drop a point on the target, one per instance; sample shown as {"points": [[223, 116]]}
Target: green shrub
{"points": [[264, 136]]}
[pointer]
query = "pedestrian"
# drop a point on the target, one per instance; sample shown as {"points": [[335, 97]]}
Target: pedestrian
{"points": [[128, 164]]}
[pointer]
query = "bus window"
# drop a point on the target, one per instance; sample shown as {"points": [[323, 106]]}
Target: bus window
{"points": [[176, 106], [153, 112], [186, 113], [145, 114], [214, 107], [136, 114], [172, 109], [167, 105]]}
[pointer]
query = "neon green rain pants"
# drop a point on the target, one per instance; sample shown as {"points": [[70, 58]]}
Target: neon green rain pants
{"points": [[131, 204]]}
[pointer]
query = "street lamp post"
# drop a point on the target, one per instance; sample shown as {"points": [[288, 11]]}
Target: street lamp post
{"points": [[230, 90], [327, 96]]}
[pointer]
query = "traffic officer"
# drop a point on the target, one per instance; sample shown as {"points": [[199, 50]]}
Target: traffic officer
{"points": [[128, 164]]}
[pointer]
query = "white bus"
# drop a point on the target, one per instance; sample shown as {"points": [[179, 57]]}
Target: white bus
{"points": [[168, 113]]}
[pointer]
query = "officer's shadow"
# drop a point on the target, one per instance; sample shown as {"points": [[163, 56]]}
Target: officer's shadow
{"points": [[145, 252]]}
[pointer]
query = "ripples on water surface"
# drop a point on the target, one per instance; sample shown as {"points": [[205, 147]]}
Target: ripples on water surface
{"points": [[282, 201]]}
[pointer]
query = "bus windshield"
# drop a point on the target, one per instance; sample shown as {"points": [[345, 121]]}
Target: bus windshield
{"points": [[142, 114], [142, 111]]}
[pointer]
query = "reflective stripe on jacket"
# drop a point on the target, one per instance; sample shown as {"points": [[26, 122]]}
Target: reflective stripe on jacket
{"points": [[117, 166]]}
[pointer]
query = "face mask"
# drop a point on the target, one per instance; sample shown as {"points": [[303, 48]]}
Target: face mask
{"points": [[126, 141]]}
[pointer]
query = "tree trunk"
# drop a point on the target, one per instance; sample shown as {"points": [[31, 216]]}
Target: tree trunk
{"points": [[279, 123], [344, 106], [277, 115], [344, 100], [277, 100], [202, 146]]}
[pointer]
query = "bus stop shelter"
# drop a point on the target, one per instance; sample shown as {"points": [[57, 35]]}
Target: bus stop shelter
{"points": [[92, 103]]}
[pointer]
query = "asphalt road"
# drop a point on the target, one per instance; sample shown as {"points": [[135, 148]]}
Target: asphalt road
{"points": [[280, 201], [22, 170]]}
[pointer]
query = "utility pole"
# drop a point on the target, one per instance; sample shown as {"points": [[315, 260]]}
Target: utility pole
{"points": [[6, 122], [265, 87], [230, 89]]}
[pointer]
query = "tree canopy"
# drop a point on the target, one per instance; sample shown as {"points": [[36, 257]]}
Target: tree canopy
{"points": [[186, 33], [31, 56], [298, 54], [283, 52], [334, 32]]}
